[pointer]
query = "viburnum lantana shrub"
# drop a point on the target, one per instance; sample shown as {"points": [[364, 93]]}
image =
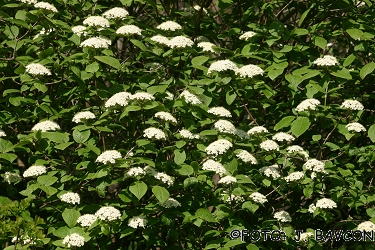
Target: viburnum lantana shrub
{"points": [[187, 125]]}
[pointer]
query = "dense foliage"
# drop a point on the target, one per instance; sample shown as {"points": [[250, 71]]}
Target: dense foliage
{"points": [[121, 131]]}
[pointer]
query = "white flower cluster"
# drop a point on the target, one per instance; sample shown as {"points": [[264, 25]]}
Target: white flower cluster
{"points": [[233, 198], [35, 171], [180, 42], [352, 104], [160, 39], [297, 149], [220, 111], [367, 226], [356, 127], [225, 126], [190, 98], [312, 208], [154, 133], [135, 172], [281, 136], [82, 116], [166, 116], [271, 171], [96, 21], [247, 35], [215, 166], [305, 236], [87, 220], [142, 96], [164, 178], [28, 1], [269, 145], [169, 25], [245, 156], [46, 126], [138, 221], [74, 240], [257, 130], [327, 60], [70, 197], [42, 32], [326, 203], [249, 71], [96, 42], [37, 69], [108, 213], [307, 104], [315, 165], [295, 176], [45, 6], [169, 96], [222, 65], [26, 240], [227, 180], [206, 46], [79, 30], [120, 99], [2, 133], [188, 135], [108, 156], [218, 147], [116, 13], [171, 203], [12, 177], [282, 216], [258, 197], [129, 30]]}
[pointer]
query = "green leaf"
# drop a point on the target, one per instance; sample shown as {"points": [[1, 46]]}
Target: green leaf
{"points": [[46, 180], [139, 44], [204, 214], [93, 148], [304, 15], [9, 157], [230, 96], [272, 74], [179, 156], [320, 42], [355, 33], [185, 170], [58, 137], [63, 146], [70, 217], [252, 247], [300, 125], [294, 80], [49, 190], [285, 122], [308, 190], [367, 69], [93, 67], [157, 89], [371, 133], [248, 205], [343, 73], [316, 137], [81, 136], [232, 243], [138, 188], [113, 62], [41, 87], [160, 193], [370, 212], [332, 146], [5, 146], [199, 60], [348, 61], [61, 232], [190, 181]]}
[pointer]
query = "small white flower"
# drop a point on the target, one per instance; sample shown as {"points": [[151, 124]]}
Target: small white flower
{"points": [[79, 30], [82, 116], [308, 104], [165, 116], [2, 133], [312, 208], [220, 111], [258, 197], [257, 130], [170, 96], [169, 25], [206, 46], [295, 176], [108, 156], [42, 32], [269, 145], [26, 240], [326, 203], [249, 71], [356, 127], [233, 198], [352, 104], [215, 166], [154, 133], [108, 213], [116, 13], [247, 35], [160, 39], [271, 171], [315, 165], [227, 180], [198, 8], [224, 126], [28, 1], [164, 178], [70, 197], [180, 42], [305, 236], [35, 171], [129, 30], [190, 98], [282, 216], [327, 60], [86, 220], [37, 69], [142, 96], [188, 135], [96, 21], [245, 156], [11, 177], [367, 226], [74, 240], [46, 126], [218, 147], [222, 65], [45, 6], [281, 136], [96, 42], [297, 149], [138, 221], [135, 172], [120, 99], [171, 203]]}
